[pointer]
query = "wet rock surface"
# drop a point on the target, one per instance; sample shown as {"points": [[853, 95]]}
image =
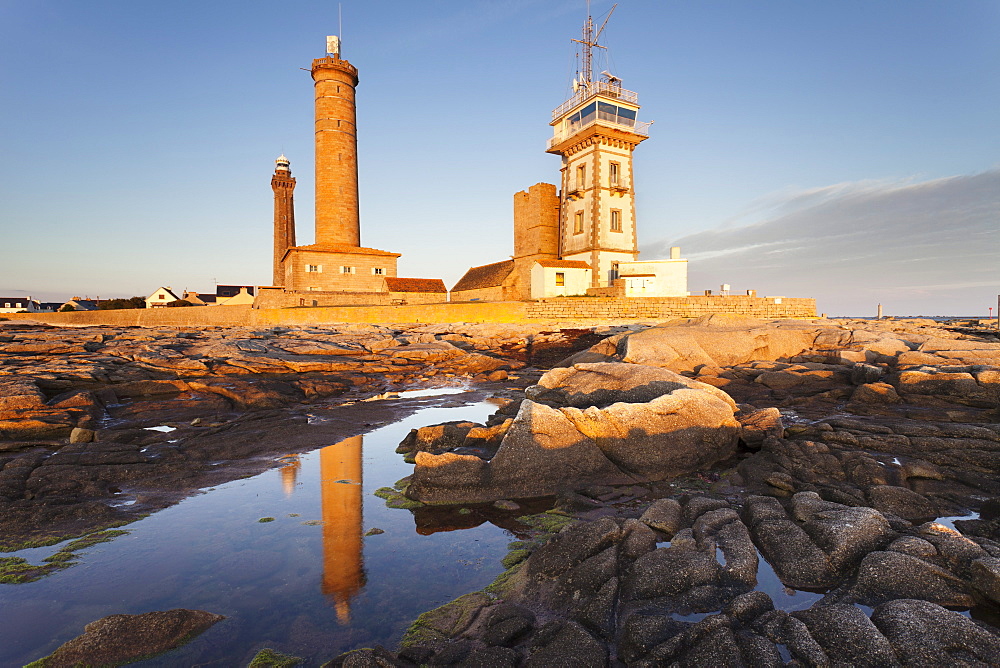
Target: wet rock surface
{"points": [[101, 425], [856, 524], [851, 515], [122, 639]]}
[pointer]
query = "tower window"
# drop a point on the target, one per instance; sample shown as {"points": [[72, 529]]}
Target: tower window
{"points": [[581, 177], [613, 172], [347, 270], [616, 220], [378, 271], [614, 271], [560, 279], [314, 268], [578, 222]]}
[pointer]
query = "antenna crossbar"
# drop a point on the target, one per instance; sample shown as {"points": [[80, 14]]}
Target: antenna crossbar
{"points": [[589, 43]]}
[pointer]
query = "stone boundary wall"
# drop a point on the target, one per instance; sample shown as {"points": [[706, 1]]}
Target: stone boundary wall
{"points": [[594, 310], [244, 316], [658, 308], [271, 298]]}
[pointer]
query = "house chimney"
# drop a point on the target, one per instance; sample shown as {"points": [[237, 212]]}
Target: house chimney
{"points": [[675, 252]]}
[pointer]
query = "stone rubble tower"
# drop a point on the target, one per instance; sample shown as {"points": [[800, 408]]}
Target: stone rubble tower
{"points": [[595, 132], [283, 185], [337, 212]]}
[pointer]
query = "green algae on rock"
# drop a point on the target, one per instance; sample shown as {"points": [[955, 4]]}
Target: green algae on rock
{"points": [[395, 499], [269, 658], [551, 521], [17, 570], [446, 621]]}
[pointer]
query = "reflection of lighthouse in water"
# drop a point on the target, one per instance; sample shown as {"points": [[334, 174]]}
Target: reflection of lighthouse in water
{"points": [[340, 486], [290, 473]]}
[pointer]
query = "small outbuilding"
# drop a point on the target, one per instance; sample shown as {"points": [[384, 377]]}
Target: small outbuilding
{"points": [[655, 278], [416, 290], [494, 282], [559, 278], [242, 298]]}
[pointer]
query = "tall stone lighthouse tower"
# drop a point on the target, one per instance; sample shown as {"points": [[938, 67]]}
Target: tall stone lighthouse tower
{"points": [[337, 213], [283, 185], [336, 263], [595, 132]]}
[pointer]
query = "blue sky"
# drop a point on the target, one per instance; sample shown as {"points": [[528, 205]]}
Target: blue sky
{"points": [[140, 137]]}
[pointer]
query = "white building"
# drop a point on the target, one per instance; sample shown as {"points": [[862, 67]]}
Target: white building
{"points": [[160, 297], [559, 278], [655, 278], [19, 304]]}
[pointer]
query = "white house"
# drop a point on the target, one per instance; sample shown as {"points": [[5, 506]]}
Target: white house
{"points": [[18, 304], [160, 297], [559, 278]]}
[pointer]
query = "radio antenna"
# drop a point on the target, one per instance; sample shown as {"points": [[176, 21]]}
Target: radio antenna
{"points": [[589, 42]]}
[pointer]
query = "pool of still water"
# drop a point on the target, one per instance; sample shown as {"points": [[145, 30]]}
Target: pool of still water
{"points": [[306, 583]]}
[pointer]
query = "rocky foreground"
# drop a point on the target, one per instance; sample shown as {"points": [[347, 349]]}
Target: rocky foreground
{"points": [[847, 514], [834, 449], [100, 425]]}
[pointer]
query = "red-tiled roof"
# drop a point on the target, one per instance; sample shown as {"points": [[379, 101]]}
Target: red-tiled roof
{"points": [[396, 284], [343, 249], [564, 264], [486, 276]]}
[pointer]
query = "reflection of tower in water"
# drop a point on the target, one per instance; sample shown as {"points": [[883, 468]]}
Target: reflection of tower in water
{"points": [[340, 485], [290, 473]]}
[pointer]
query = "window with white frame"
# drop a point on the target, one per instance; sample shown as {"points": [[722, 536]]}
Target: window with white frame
{"points": [[616, 220], [347, 270], [378, 271], [613, 173], [314, 268]]}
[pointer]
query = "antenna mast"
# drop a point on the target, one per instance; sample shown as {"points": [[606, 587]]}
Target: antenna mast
{"points": [[589, 43]]}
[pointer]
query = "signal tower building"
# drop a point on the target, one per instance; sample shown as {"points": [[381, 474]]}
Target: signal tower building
{"points": [[581, 238], [595, 132]]}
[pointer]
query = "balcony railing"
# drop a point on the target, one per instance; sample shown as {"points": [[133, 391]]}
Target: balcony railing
{"points": [[595, 88], [640, 128]]}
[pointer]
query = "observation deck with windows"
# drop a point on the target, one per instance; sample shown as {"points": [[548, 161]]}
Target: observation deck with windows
{"points": [[597, 112]]}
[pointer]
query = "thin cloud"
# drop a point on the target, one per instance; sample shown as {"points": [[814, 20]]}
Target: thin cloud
{"points": [[847, 243]]}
